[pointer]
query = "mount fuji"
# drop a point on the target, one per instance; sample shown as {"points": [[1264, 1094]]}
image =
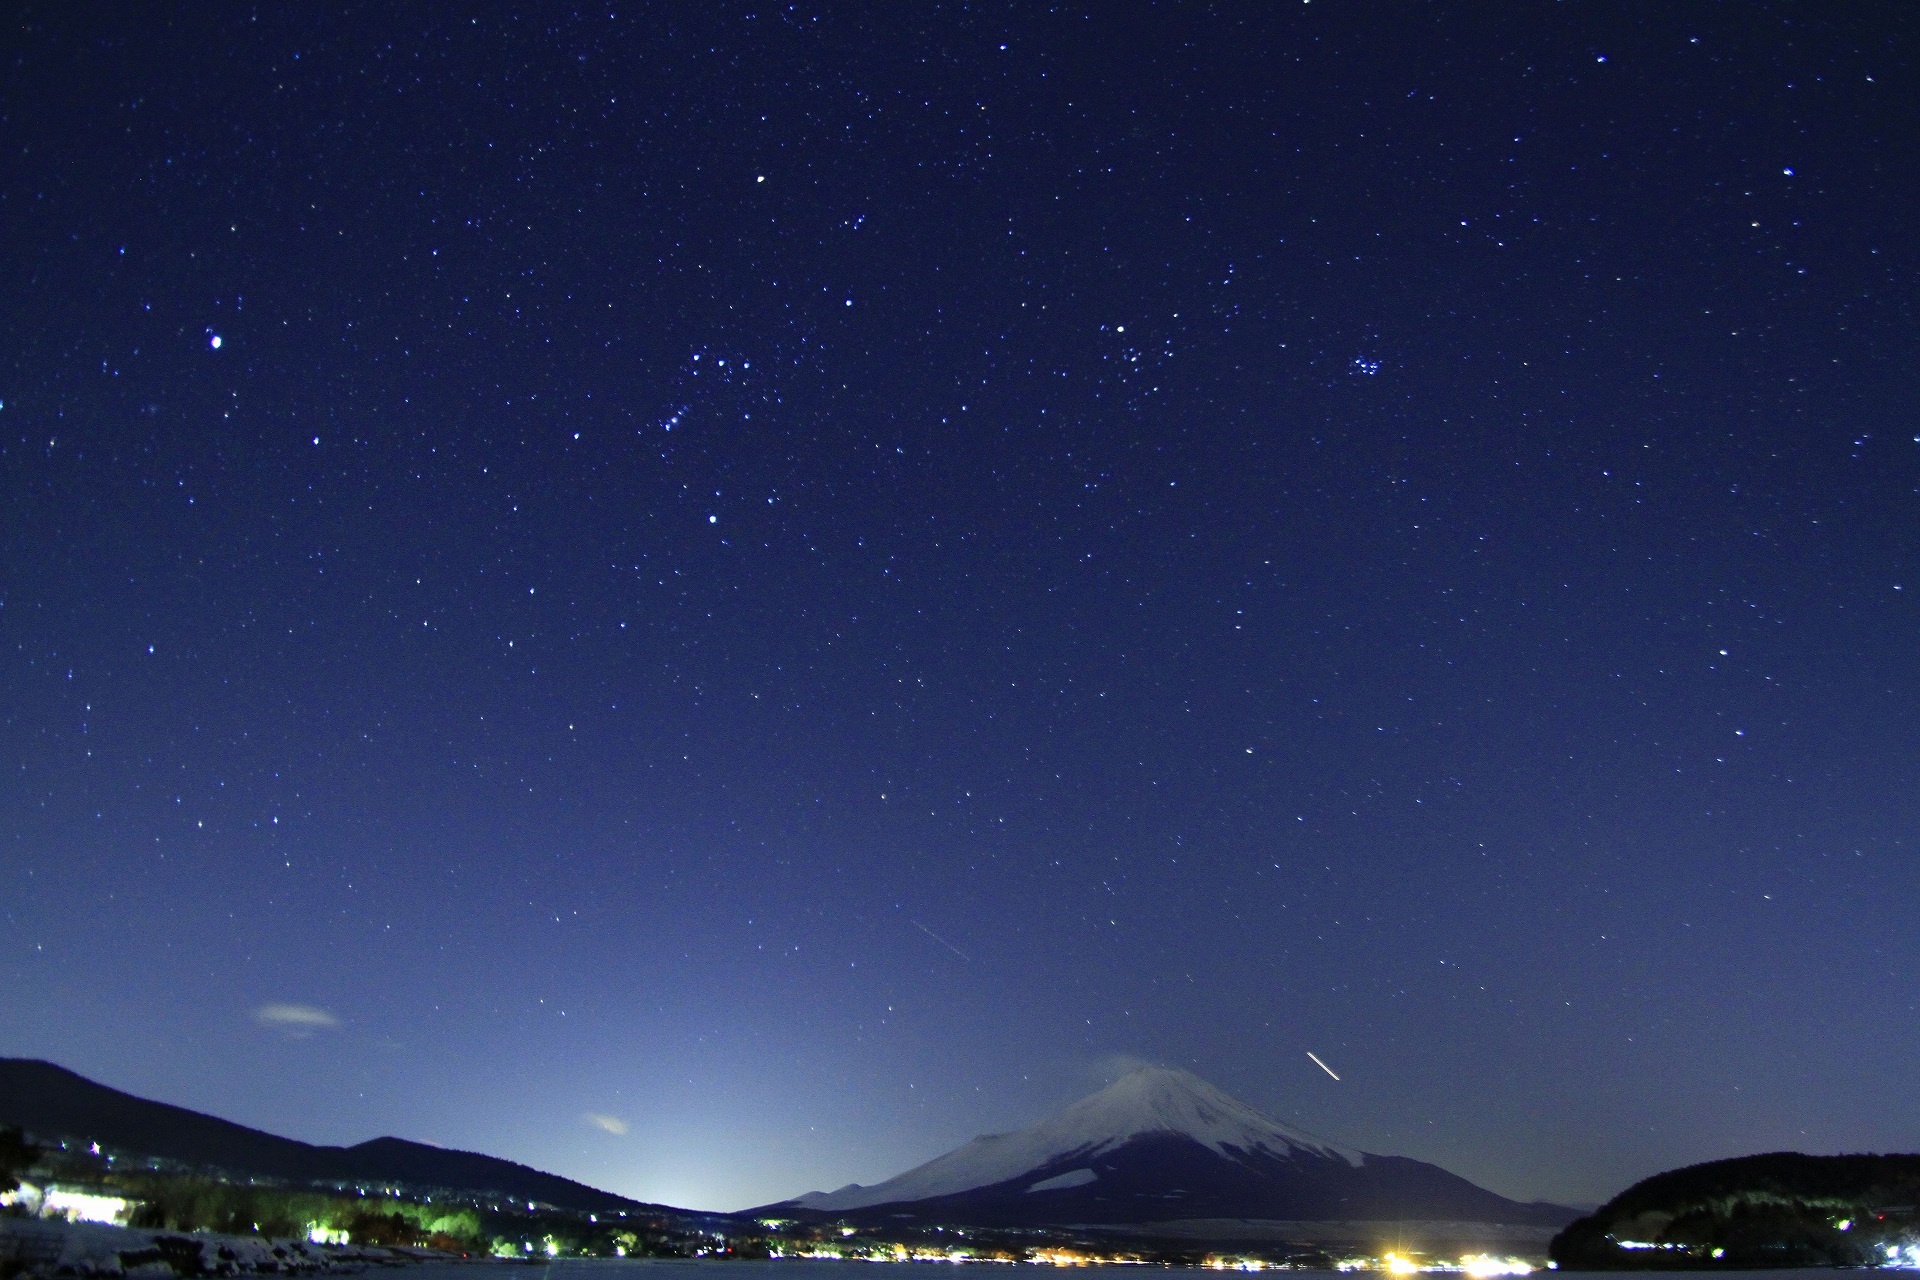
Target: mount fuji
{"points": [[1161, 1145]]}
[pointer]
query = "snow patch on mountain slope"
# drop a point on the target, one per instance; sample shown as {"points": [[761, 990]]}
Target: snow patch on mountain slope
{"points": [[1150, 1100]]}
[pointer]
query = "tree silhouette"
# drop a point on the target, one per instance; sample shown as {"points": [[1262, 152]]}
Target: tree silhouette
{"points": [[16, 1157]]}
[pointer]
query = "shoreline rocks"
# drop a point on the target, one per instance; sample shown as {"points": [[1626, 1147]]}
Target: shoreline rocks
{"points": [[40, 1249]]}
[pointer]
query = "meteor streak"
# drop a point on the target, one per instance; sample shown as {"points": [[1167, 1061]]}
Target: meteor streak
{"points": [[942, 941], [1323, 1066]]}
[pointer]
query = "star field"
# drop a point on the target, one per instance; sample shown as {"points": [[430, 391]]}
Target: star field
{"points": [[810, 582]]}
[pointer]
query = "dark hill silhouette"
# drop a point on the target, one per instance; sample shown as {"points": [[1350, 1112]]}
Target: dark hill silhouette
{"points": [[1779, 1209], [52, 1102]]}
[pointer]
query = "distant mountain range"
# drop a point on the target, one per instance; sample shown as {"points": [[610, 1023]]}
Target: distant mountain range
{"points": [[1161, 1145], [51, 1102], [1156, 1146]]}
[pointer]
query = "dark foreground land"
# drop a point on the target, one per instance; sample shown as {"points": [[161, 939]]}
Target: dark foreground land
{"points": [[1766, 1211]]}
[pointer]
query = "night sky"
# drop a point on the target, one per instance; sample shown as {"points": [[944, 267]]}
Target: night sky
{"points": [[718, 599]]}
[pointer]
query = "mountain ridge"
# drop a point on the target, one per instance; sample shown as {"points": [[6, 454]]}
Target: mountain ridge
{"points": [[1161, 1144], [1148, 1100], [51, 1101]]}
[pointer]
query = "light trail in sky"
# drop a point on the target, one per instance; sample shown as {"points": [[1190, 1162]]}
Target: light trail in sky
{"points": [[942, 941], [1323, 1066]]}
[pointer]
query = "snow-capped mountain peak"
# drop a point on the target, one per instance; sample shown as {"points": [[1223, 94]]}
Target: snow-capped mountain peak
{"points": [[1151, 1100], [1168, 1100]]}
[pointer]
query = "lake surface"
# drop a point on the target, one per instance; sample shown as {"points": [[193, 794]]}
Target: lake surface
{"points": [[799, 1268]]}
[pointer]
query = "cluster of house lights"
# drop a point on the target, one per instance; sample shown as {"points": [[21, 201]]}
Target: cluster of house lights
{"points": [[1477, 1264]]}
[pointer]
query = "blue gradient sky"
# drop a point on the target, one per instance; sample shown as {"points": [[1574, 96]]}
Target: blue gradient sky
{"points": [[816, 581]]}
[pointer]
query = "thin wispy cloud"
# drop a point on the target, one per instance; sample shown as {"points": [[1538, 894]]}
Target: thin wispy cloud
{"points": [[295, 1020]]}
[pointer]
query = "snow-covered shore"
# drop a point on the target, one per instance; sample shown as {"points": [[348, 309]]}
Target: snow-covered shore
{"points": [[38, 1248]]}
